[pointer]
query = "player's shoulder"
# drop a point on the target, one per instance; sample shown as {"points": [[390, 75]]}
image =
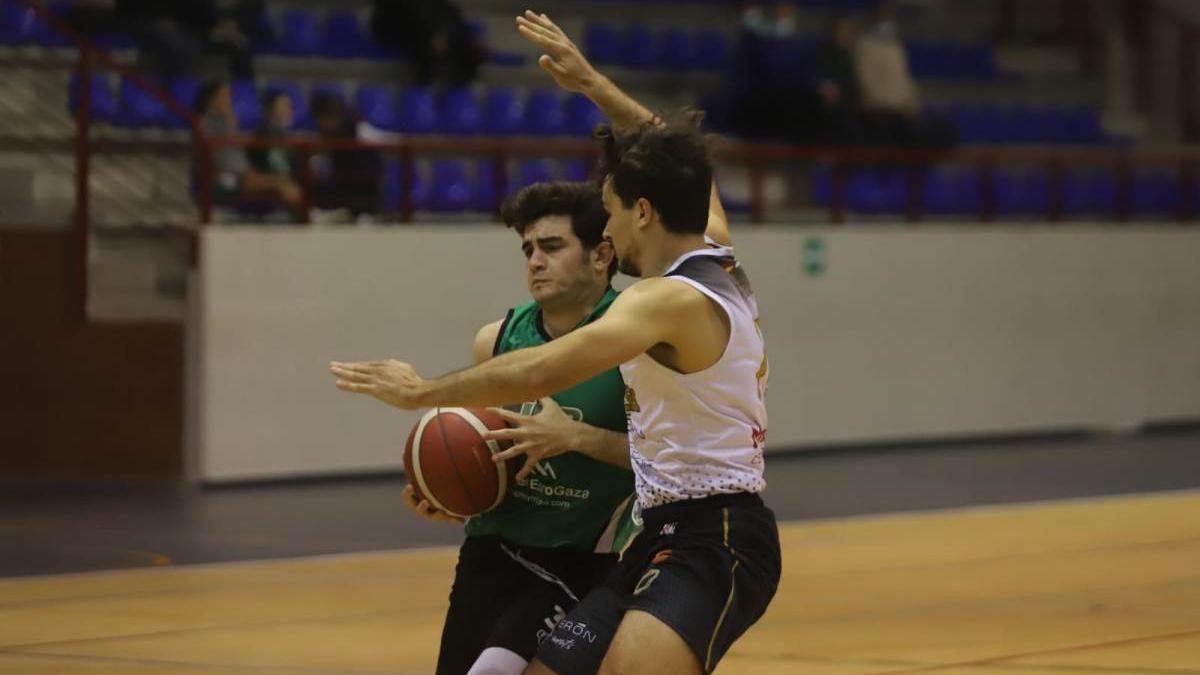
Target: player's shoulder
{"points": [[661, 294], [486, 338]]}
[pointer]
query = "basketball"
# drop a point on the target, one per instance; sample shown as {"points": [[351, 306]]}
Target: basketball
{"points": [[449, 463]]}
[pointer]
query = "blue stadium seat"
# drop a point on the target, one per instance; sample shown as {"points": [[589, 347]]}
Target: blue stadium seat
{"points": [[711, 50], [246, 104], [452, 190], [504, 113], [300, 34], [377, 106], [1156, 193], [460, 113], [12, 19], [544, 114], [876, 191], [1022, 192], [139, 109], [418, 111], [184, 90], [582, 115], [576, 170], [103, 104], [531, 171], [394, 188], [949, 191], [601, 43], [1090, 192], [301, 115], [676, 50], [638, 48], [344, 36], [485, 185]]}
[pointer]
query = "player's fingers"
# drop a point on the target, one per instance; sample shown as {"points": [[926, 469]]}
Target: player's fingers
{"points": [[350, 375], [505, 434], [508, 415], [540, 36], [527, 469], [551, 66], [356, 387], [515, 451]]}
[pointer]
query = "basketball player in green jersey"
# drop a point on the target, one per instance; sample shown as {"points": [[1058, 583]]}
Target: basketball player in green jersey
{"points": [[527, 562]]}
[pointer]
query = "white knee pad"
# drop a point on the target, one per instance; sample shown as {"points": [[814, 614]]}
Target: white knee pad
{"points": [[498, 661]]}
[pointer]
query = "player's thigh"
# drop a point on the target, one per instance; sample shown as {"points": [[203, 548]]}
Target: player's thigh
{"points": [[530, 617], [644, 644]]}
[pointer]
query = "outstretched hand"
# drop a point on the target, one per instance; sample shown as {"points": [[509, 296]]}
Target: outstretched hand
{"points": [[561, 58], [393, 382], [550, 432]]}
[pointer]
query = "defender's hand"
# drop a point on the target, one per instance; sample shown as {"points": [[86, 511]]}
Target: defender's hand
{"points": [[393, 382], [562, 59], [424, 509], [550, 432]]}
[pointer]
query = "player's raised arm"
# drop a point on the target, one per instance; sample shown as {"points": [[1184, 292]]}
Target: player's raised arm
{"points": [[569, 67], [648, 313]]}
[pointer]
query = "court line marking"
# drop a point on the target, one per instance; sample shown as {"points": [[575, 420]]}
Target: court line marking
{"points": [[30, 646], [199, 665], [994, 660], [1013, 667]]}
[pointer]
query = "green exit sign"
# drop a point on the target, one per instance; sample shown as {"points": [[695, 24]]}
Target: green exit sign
{"points": [[814, 256]]}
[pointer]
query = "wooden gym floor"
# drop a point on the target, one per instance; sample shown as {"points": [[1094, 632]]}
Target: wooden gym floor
{"points": [[1077, 555], [1100, 586]]}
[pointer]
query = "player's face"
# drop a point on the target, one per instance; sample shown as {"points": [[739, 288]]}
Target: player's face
{"points": [[557, 268], [620, 231]]}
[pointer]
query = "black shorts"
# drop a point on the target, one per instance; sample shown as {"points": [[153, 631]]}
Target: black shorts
{"points": [[707, 568], [511, 596]]}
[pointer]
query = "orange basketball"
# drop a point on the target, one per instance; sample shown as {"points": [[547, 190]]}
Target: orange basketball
{"points": [[449, 463]]}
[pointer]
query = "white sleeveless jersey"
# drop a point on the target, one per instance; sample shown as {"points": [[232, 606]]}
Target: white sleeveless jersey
{"points": [[700, 434]]}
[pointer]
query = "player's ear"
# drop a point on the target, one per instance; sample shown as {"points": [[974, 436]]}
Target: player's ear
{"points": [[603, 254], [642, 210]]}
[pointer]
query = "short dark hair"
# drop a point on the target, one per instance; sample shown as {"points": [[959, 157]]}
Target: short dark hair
{"points": [[580, 202], [205, 95], [273, 95], [665, 162]]}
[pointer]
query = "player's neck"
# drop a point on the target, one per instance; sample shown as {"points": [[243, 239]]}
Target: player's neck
{"points": [[670, 248], [563, 318]]}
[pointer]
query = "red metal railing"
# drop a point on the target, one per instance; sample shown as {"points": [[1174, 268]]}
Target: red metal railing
{"points": [[761, 159]]}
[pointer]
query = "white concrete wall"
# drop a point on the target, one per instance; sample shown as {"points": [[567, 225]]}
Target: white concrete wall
{"points": [[908, 333]]}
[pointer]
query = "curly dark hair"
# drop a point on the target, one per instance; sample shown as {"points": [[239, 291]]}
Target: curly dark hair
{"points": [[580, 202], [666, 162]]}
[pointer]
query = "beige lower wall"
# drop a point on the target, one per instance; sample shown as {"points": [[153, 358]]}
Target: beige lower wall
{"points": [[907, 333]]}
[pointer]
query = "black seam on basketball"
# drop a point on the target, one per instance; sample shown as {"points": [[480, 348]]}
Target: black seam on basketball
{"points": [[450, 456]]}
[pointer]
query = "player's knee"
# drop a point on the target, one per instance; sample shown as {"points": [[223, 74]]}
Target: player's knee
{"points": [[498, 661]]}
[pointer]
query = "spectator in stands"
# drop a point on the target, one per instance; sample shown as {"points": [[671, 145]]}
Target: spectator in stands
{"points": [[433, 35], [277, 123], [235, 181], [837, 83], [770, 93], [175, 35], [891, 102], [349, 180]]}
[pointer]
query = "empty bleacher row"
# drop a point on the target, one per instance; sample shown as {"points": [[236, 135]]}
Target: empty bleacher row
{"points": [[499, 111], [1015, 193]]}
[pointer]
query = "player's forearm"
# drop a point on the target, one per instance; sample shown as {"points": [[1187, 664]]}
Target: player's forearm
{"points": [[619, 107], [610, 447], [522, 375]]}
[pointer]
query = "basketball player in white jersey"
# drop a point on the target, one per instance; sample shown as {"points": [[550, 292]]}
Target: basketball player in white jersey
{"points": [[687, 341]]}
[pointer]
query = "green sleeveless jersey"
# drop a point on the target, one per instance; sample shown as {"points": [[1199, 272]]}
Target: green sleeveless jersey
{"points": [[569, 500]]}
